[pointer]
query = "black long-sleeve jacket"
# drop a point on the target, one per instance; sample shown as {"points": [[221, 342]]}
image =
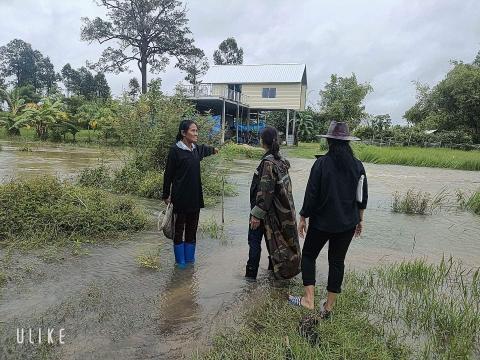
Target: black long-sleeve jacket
{"points": [[330, 197], [182, 175]]}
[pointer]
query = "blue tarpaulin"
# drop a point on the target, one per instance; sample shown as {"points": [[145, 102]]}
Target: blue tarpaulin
{"points": [[243, 127]]}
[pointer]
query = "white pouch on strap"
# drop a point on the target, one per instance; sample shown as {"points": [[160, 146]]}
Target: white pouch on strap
{"points": [[360, 189]]}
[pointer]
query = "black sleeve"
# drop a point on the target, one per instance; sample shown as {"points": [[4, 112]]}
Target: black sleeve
{"points": [[312, 191], [363, 204], [205, 150], [169, 174]]}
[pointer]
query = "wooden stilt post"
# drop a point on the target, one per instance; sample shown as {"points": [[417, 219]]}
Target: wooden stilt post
{"points": [[286, 131], [293, 128], [222, 140], [223, 199], [238, 116]]}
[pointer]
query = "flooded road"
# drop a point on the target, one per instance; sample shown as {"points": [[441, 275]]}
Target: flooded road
{"points": [[111, 308]]}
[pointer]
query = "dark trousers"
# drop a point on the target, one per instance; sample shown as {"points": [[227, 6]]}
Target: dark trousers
{"points": [[186, 223], [255, 246], [338, 244]]}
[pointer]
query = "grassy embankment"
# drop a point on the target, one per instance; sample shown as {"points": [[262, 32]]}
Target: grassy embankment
{"points": [[412, 156], [87, 138], [410, 310]]}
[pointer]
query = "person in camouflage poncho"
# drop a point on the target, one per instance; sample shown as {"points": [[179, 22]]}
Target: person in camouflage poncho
{"points": [[273, 214]]}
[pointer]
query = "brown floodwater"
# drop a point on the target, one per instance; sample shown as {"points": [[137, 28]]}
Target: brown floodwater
{"points": [[111, 308]]}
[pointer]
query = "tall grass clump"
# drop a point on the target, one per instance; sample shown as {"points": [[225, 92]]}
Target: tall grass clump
{"points": [[417, 202], [213, 229], [469, 202], [43, 211], [433, 307]]}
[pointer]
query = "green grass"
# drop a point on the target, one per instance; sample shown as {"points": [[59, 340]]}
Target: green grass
{"points": [[43, 211], [230, 151], [149, 260], [408, 310], [83, 137], [213, 229], [417, 202], [411, 156], [470, 201]]}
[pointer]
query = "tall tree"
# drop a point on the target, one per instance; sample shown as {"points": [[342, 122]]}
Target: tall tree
{"points": [[195, 65], [476, 62], [133, 88], [147, 31], [452, 104], [342, 98], [26, 66], [102, 89], [71, 79], [83, 82], [228, 53]]}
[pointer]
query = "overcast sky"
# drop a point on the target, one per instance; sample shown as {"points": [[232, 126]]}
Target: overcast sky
{"points": [[388, 43]]}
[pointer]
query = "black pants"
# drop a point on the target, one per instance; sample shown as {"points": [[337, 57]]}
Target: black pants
{"points": [[337, 250], [186, 223]]}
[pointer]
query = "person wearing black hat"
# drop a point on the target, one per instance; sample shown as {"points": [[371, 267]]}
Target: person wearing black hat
{"points": [[335, 199]]}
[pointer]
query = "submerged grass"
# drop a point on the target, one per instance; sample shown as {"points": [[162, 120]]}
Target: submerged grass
{"points": [[213, 229], [470, 201], [417, 202], [411, 156], [44, 211], [149, 260], [408, 310]]}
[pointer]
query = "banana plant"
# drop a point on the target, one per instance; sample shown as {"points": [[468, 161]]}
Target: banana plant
{"points": [[305, 125], [43, 116], [15, 106]]}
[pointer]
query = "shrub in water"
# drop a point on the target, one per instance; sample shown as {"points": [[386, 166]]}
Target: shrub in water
{"points": [[44, 210]]}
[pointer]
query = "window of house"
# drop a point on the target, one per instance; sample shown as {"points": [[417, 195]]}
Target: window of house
{"points": [[269, 93]]}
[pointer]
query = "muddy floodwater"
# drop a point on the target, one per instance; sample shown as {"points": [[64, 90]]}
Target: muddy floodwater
{"points": [[111, 308]]}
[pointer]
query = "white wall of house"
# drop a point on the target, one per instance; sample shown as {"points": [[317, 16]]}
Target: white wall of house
{"points": [[303, 97], [287, 96]]}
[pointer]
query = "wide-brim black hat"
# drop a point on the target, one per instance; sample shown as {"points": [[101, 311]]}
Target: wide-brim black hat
{"points": [[339, 130]]}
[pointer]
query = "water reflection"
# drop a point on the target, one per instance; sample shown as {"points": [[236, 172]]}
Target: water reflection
{"points": [[179, 305]]}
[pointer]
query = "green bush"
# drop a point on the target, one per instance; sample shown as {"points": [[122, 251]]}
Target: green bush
{"points": [[151, 186], [230, 151], [43, 210], [98, 177]]}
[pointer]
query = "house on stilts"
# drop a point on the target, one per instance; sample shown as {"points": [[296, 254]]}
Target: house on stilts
{"points": [[241, 96]]}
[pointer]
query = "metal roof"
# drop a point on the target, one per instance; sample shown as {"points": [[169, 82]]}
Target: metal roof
{"points": [[247, 74]]}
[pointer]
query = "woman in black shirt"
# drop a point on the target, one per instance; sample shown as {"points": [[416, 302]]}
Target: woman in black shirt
{"points": [[182, 185], [335, 199]]}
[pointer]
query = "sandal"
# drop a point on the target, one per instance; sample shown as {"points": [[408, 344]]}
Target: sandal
{"points": [[295, 300], [324, 313]]}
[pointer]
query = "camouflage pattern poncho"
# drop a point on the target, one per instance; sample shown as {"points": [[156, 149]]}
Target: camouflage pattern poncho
{"points": [[274, 205]]}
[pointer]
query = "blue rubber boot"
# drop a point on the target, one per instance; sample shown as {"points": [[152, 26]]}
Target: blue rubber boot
{"points": [[179, 251], [190, 252]]}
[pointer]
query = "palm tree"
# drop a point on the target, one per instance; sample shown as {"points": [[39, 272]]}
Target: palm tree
{"points": [[15, 106]]}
